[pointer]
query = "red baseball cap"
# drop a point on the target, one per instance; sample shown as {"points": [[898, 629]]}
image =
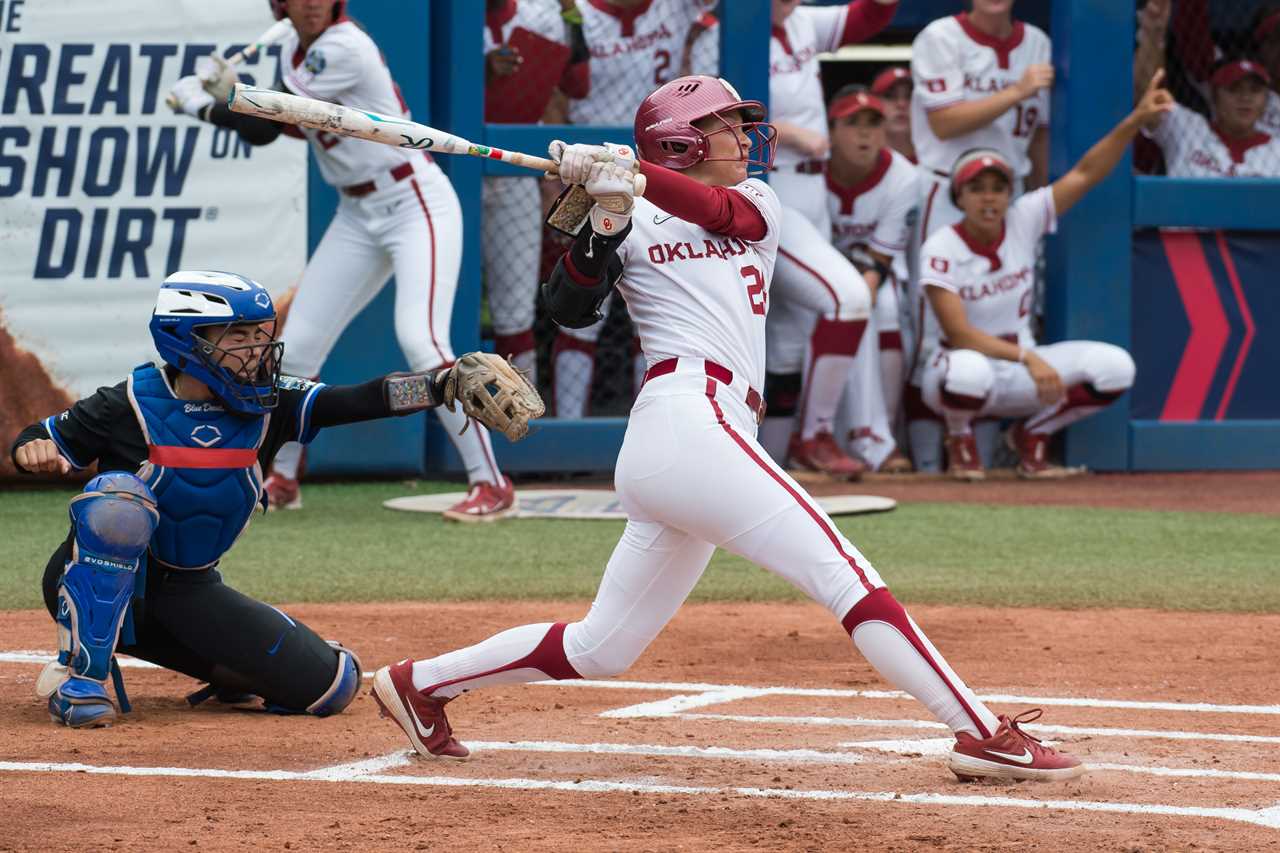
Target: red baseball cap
{"points": [[853, 104], [1233, 71], [974, 163], [888, 78]]}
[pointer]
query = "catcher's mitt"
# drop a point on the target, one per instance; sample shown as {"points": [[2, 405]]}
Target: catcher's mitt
{"points": [[493, 392]]}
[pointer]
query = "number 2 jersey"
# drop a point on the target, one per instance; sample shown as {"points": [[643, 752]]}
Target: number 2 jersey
{"points": [[952, 61], [996, 283], [697, 294], [633, 51]]}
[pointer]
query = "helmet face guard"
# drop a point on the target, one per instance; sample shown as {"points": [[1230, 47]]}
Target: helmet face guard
{"points": [[194, 311], [762, 135], [249, 371]]}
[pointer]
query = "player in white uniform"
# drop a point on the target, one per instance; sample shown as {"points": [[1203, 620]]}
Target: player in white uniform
{"points": [[397, 214], [822, 302], [634, 46], [980, 356], [1236, 144], [981, 81], [512, 204], [694, 259], [871, 195]]}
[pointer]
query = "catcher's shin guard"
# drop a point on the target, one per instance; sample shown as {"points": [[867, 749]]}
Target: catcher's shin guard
{"points": [[113, 520]]}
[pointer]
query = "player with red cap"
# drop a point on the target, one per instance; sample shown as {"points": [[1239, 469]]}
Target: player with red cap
{"points": [[694, 260], [980, 358], [893, 86], [871, 197], [1236, 142]]}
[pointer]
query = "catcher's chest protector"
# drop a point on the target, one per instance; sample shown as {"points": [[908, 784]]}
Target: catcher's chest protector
{"points": [[202, 467]]}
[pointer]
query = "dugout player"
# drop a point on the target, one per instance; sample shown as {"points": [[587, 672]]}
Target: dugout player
{"points": [[634, 46], [981, 359], [1238, 142], [512, 204], [871, 198], [397, 213], [694, 259], [181, 448], [822, 306]]}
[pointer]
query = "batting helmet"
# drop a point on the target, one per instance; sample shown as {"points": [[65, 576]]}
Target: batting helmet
{"points": [[665, 133], [278, 9], [973, 163], [193, 302]]}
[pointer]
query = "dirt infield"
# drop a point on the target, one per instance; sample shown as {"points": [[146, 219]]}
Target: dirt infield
{"points": [[745, 727], [1196, 491]]}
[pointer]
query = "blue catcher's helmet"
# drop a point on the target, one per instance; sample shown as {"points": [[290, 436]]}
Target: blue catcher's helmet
{"points": [[194, 310]]}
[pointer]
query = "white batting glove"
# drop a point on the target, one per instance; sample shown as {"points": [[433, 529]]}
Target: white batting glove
{"points": [[575, 161], [613, 187], [191, 97], [218, 75]]}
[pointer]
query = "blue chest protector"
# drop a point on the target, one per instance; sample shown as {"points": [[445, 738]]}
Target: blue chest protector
{"points": [[202, 468]]}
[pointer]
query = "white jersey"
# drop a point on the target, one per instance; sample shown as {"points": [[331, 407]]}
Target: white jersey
{"points": [[795, 85], [633, 51], [1270, 122], [952, 62], [344, 66], [1194, 149], [696, 294], [997, 287], [878, 213], [541, 17]]}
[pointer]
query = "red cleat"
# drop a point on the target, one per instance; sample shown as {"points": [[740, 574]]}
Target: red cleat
{"points": [[420, 717], [896, 463], [485, 502], [1011, 754], [282, 492], [821, 453], [963, 461], [1033, 456]]}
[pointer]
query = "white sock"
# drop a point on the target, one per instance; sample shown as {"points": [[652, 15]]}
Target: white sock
{"points": [[288, 460], [465, 669], [473, 446], [572, 378]]}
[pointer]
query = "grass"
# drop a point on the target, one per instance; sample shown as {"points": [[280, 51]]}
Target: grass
{"points": [[345, 547]]}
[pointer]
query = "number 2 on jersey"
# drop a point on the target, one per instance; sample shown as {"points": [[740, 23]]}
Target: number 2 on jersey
{"points": [[756, 294], [661, 62]]}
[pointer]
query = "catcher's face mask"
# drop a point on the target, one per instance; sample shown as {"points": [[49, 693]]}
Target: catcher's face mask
{"points": [[247, 355]]}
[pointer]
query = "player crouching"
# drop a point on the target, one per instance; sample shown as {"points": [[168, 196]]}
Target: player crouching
{"points": [[181, 447], [980, 357]]}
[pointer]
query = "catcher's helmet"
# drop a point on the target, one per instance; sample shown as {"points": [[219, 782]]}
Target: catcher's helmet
{"points": [[278, 9], [664, 128], [191, 303]]}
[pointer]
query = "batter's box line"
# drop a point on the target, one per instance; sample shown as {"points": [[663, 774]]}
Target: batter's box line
{"points": [[1268, 817]]}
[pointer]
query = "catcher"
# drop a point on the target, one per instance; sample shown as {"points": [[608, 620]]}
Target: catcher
{"points": [[181, 448]]}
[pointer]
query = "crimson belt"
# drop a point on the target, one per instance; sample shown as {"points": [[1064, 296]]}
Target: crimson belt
{"points": [[718, 372], [399, 173]]}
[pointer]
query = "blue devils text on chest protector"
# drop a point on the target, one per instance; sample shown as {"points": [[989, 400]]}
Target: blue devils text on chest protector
{"points": [[202, 467]]}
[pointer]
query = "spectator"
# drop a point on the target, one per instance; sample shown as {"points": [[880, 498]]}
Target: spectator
{"points": [[982, 358], [871, 195]]}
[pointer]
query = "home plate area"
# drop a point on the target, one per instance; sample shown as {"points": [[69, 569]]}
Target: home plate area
{"points": [[604, 504], [1184, 763]]}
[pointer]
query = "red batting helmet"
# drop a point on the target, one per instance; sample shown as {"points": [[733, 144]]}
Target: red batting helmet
{"points": [[278, 8], [664, 128]]}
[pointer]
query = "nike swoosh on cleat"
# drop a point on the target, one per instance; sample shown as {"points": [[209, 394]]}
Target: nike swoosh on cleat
{"points": [[1024, 758], [417, 724]]}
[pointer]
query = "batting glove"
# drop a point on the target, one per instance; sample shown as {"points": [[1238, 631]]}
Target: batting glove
{"points": [[218, 75], [191, 96], [575, 161], [613, 187]]}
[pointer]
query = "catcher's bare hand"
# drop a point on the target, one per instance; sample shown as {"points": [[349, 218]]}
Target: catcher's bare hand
{"points": [[42, 457], [493, 392]]}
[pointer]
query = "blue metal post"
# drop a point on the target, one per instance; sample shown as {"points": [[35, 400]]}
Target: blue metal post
{"points": [[1090, 262]]}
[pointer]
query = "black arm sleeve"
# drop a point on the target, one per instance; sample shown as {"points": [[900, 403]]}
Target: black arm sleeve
{"points": [[347, 404], [83, 432], [253, 130], [583, 278]]}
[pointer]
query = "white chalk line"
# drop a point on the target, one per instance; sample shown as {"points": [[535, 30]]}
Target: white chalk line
{"points": [[1269, 817], [678, 703]]}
